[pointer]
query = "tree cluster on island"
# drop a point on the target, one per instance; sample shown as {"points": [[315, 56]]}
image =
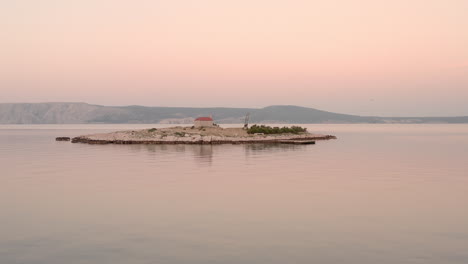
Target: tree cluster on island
{"points": [[262, 129]]}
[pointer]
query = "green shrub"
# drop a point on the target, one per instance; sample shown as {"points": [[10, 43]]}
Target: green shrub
{"points": [[276, 130], [152, 130], [179, 134]]}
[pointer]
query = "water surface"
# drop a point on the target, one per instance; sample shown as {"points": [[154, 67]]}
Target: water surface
{"points": [[378, 194]]}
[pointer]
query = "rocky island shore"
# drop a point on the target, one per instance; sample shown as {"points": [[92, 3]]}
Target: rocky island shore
{"points": [[192, 135]]}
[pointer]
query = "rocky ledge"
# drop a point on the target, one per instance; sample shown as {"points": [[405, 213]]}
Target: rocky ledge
{"points": [[187, 135], [62, 139]]}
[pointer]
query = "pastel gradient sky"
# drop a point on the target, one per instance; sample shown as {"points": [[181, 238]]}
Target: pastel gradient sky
{"points": [[369, 57]]}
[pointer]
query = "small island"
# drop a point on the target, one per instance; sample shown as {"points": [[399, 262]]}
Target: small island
{"points": [[204, 131]]}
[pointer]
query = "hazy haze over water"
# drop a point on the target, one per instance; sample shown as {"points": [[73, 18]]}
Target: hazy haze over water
{"points": [[378, 194]]}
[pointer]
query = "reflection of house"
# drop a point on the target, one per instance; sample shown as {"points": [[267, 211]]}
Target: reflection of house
{"points": [[204, 122], [203, 154]]}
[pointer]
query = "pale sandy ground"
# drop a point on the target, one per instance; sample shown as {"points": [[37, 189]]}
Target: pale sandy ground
{"points": [[188, 134]]}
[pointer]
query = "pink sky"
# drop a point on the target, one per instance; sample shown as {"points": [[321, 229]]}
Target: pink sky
{"points": [[367, 57]]}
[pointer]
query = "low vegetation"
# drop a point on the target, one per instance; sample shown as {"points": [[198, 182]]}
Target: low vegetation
{"points": [[275, 130], [179, 134]]}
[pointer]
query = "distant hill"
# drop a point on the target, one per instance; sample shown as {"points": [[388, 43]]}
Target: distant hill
{"points": [[82, 113]]}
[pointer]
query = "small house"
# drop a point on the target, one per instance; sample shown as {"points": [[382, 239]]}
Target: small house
{"points": [[203, 122]]}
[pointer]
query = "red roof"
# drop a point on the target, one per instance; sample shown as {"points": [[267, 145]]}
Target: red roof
{"points": [[204, 119]]}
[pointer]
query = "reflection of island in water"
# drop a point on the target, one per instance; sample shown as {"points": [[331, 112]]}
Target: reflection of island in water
{"points": [[258, 149], [201, 153], [204, 154]]}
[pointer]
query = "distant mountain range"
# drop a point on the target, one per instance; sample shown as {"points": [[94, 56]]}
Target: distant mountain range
{"points": [[82, 113]]}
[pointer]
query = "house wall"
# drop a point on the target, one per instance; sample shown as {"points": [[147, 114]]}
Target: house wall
{"points": [[203, 123]]}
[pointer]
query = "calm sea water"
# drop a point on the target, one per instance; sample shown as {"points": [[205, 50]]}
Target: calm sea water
{"points": [[378, 194]]}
